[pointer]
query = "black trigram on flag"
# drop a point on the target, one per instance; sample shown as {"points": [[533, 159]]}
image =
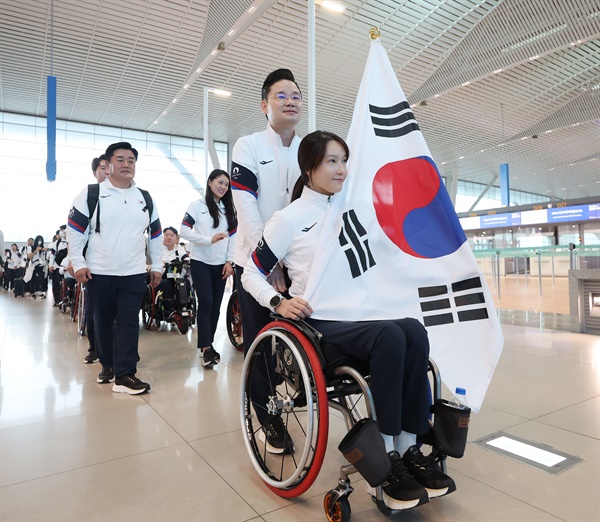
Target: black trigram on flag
{"points": [[391, 122], [463, 302], [355, 244]]}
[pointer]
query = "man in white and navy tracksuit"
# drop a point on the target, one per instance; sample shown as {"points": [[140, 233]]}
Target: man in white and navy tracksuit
{"points": [[114, 266], [264, 169]]}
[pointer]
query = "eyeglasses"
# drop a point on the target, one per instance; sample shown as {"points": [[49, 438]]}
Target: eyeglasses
{"points": [[282, 96]]}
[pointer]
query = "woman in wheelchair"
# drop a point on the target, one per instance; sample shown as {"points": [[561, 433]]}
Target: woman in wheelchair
{"points": [[397, 351]]}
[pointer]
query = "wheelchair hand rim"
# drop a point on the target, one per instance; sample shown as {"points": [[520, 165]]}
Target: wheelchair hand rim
{"points": [[309, 432]]}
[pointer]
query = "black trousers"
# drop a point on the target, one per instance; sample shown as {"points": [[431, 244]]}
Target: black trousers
{"points": [[39, 281], [398, 355], [56, 284], [9, 278], [116, 302], [254, 319], [210, 287]]}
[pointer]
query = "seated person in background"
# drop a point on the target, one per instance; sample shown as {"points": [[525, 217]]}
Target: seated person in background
{"points": [[397, 351], [172, 251]]}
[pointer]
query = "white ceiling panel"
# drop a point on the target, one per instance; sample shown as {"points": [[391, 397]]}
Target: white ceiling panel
{"points": [[484, 76]]}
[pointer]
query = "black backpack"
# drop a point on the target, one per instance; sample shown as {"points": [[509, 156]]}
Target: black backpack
{"points": [[92, 203]]}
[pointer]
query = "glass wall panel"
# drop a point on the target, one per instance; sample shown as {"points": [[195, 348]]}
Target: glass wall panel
{"points": [[170, 168]]}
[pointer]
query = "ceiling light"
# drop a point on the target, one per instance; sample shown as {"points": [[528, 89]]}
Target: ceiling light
{"points": [[497, 71], [213, 52], [436, 95], [465, 84], [221, 92], [174, 100], [198, 69], [336, 7], [231, 32], [535, 57], [460, 157], [252, 9], [186, 86], [548, 132]]}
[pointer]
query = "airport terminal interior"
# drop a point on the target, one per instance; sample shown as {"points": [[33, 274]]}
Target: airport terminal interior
{"points": [[490, 82]]}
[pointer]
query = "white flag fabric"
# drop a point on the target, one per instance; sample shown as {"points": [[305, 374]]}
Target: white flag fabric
{"points": [[392, 245]]}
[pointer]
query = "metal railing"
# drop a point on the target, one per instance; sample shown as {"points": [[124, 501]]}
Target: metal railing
{"points": [[579, 255]]}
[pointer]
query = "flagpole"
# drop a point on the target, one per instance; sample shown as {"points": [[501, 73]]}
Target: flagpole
{"points": [[312, 95]]}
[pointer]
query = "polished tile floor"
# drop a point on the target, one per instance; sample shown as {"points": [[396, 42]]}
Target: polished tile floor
{"points": [[73, 450]]}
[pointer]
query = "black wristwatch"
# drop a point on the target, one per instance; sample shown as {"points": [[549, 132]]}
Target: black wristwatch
{"points": [[275, 301]]}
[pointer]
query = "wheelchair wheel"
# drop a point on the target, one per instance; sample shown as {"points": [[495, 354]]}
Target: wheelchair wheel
{"points": [[74, 307], [234, 322], [148, 308], [299, 397], [82, 310], [182, 322], [337, 509]]}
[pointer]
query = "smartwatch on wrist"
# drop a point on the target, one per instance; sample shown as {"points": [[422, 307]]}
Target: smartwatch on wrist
{"points": [[275, 301]]}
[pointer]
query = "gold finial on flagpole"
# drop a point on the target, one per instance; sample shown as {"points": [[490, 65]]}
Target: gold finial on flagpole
{"points": [[374, 33]]}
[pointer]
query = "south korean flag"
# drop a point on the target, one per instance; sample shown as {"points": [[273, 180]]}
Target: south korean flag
{"points": [[392, 245]]}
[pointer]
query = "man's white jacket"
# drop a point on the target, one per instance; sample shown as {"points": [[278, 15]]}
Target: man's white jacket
{"points": [[263, 174], [119, 249]]}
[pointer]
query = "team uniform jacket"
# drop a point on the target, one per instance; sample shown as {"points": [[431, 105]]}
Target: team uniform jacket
{"points": [[119, 249], [15, 260], [197, 228], [176, 253], [291, 235], [59, 244], [263, 173]]}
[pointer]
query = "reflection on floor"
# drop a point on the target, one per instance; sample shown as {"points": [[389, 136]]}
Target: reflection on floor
{"points": [[73, 450]]}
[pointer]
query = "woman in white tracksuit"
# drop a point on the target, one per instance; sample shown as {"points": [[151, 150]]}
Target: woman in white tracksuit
{"points": [[209, 225], [397, 351]]}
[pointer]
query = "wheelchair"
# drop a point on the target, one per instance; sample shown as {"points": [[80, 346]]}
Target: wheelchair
{"points": [[307, 379], [233, 319], [179, 309], [67, 295], [79, 308]]}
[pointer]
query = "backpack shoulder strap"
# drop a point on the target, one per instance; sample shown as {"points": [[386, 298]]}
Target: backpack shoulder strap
{"points": [[92, 202], [149, 203]]}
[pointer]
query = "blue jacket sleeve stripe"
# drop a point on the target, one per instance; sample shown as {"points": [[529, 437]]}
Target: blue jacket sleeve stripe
{"points": [[264, 259], [78, 221], [243, 179]]}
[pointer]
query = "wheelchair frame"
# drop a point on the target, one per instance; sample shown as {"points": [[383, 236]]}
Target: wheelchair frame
{"points": [[300, 364]]}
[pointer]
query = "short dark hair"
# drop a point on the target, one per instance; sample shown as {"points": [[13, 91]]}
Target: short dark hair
{"points": [[172, 229], [274, 77], [96, 162], [110, 151], [310, 155]]}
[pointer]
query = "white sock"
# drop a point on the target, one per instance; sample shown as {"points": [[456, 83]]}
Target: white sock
{"points": [[389, 442], [404, 441]]}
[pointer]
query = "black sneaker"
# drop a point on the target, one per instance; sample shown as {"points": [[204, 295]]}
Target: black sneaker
{"points": [[130, 384], [400, 489], [427, 473], [90, 358], [276, 437], [210, 357], [106, 375]]}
